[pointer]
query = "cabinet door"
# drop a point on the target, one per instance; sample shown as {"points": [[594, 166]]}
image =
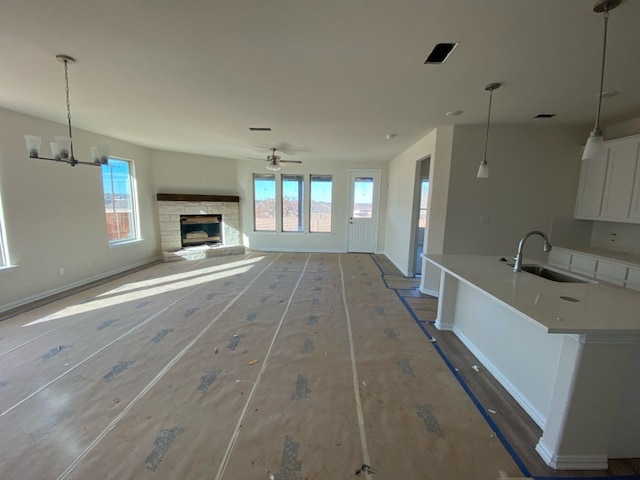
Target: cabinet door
{"points": [[633, 278], [590, 189], [583, 265], [611, 272], [559, 259], [620, 179], [634, 214]]}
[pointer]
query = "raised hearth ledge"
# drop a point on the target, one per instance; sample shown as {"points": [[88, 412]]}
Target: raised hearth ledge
{"points": [[202, 251], [187, 197]]}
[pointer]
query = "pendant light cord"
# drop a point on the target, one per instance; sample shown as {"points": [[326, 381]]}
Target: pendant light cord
{"points": [[66, 83], [486, 137], [604, 57]]}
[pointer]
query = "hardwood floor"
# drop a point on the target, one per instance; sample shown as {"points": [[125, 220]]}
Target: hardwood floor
{"points": [[157, 374], [520, 433]]}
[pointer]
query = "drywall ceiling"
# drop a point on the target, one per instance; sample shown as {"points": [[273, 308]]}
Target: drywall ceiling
{"points": [[332, 78]]}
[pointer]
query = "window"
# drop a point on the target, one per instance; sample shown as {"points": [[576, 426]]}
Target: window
{"points": [[363, 197], [424, 199], [320, 187], [292, 188], [120, 203], [264, 202]]}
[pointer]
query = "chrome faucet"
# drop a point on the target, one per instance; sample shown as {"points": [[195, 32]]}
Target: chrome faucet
{"points": [[517, 266]]}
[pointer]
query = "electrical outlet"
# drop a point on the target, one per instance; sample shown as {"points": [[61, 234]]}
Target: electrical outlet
{"points": [[61, 271], [612, 237]]}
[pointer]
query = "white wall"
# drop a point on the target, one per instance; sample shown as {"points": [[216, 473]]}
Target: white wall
{"points": [[533, 177], [54, 213], [402, 178], [622, 129], [196, 174], [336, 241]]}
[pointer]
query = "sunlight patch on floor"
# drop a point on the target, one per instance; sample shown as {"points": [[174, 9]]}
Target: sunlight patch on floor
{"points": [[140, 294]]}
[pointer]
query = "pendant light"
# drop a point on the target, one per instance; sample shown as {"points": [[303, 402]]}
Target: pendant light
{"points": [[594, 149], [483, 170], [62, 146]]}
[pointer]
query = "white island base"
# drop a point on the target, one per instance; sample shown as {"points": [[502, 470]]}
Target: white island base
{"points": [[577, 376]]}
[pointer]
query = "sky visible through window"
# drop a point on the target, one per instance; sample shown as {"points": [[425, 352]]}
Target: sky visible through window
{"points": [[265, 188], [115, 177], [362, 190]]}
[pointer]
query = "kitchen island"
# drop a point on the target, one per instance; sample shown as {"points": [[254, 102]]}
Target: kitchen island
{"points": [[569, 353]]}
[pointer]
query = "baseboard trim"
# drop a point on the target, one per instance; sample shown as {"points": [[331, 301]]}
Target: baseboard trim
{"points": [[571, 462], [443, 327], [433, 293], [293, 250], [38, 299], [533, 412]]}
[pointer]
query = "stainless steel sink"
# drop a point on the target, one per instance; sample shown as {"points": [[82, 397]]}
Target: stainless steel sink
{"points": [[552, 274]]}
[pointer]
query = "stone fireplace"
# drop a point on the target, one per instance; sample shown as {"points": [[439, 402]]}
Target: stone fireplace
{"points": [[198, 226]]}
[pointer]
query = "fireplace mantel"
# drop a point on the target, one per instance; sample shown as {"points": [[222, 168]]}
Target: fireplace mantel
{"points": [[189, 197]]}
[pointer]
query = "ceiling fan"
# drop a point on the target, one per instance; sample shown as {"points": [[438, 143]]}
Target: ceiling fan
{"points": [[275, 162]]}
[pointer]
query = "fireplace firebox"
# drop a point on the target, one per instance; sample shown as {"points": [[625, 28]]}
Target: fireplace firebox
{"points": [[201, 230]]}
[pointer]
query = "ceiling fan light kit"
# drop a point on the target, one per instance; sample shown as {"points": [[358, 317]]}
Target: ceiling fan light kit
{"points": [[62, 146], [594, 148], [275, 162]]}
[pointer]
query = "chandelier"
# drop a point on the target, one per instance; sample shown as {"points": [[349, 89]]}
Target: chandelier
{"points": [[62, 146]]}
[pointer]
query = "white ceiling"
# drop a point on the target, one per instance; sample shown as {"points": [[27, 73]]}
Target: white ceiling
{"points": [[330, 77]]}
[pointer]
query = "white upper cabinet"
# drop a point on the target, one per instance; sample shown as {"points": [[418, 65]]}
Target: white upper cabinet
{"points": [[620, 180], [609, 189], [634, 212]]}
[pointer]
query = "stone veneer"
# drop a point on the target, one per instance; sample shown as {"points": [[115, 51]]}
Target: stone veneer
{"points": [[171, 206]]}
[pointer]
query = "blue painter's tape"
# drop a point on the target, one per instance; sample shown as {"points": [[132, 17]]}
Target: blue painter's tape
{"points": [[499, 435]]}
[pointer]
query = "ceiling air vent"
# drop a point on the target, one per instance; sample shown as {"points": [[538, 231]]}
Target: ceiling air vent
{"points": [[545, 115], [260, 129], [440, 53]]}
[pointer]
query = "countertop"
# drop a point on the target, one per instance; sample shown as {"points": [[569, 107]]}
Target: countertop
{"points": [[602, 308]]}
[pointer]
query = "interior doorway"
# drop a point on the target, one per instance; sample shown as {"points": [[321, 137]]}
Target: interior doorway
{"points": [[420, 214]]}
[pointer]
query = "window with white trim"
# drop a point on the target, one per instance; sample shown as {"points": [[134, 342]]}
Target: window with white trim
{"points": [[264, 202], [120, 201], [320, 194], [292, 190]]}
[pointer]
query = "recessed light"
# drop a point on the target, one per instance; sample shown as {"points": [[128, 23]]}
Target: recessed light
{"points": [[545, 115], [454, 113], [260, 129], [440, 53]]}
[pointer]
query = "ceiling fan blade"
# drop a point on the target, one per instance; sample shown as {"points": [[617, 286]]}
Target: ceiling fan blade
{"points": [[290, 161]]}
